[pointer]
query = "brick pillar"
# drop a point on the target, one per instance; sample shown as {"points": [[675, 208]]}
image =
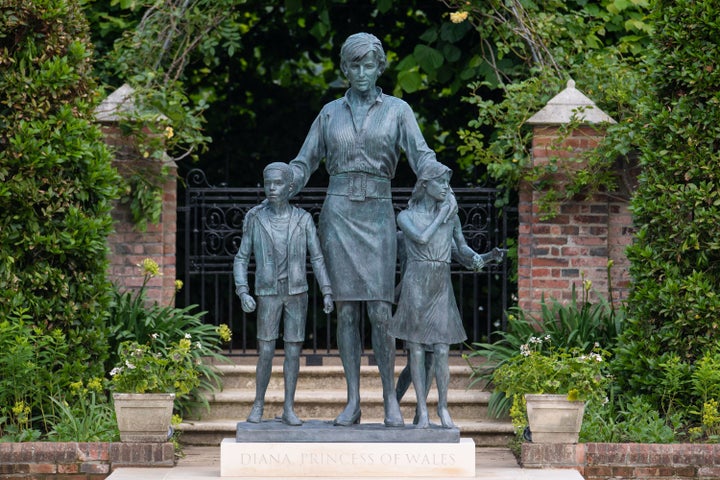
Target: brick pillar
{"points": [[577, 243], [128, 245]]}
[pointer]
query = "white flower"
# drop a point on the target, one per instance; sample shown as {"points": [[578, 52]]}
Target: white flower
{"points": [[525, 350], [198, 344], [458, 17], [129, 365], [188, 336], [115, 371], [154, 335]]}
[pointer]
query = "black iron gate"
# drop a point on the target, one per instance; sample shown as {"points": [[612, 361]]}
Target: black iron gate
{"points": [[209, 233]]}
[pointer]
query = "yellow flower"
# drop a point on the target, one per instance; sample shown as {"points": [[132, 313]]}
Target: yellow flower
{"points": [[146, 154], [76, 386], [21, 411], [169, 132], [458, 17], [150, 267], [95, 384], [178, 285], [176, 420], [224, 333]]}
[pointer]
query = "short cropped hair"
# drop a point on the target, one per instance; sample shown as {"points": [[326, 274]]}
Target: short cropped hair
{"points": [[283, 167], [358, 45]]}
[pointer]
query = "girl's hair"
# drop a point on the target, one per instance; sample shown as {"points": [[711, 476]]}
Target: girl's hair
{"points": [[358, 45], [427, 172]]}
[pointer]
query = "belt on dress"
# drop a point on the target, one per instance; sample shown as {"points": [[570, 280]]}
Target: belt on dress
{"points": [[359, 186]]}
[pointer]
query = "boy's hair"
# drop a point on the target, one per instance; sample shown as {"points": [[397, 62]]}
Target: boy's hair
{"points": [[283, 167]]}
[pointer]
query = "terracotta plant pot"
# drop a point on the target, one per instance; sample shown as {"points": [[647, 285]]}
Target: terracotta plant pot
{"points": [[144, 417], [554, 418]]}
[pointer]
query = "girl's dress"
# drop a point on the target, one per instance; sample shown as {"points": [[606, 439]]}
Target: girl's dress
{"points": [[427, 312]]}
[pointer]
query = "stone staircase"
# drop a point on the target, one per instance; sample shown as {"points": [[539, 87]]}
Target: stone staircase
{"points": [[321, 395]]}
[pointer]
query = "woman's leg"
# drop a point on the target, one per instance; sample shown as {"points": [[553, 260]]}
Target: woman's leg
{"points": [[348, 338], [380, 315]]}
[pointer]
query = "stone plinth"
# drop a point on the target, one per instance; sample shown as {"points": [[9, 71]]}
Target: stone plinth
{"points": [[357, 459], [319, 449]]}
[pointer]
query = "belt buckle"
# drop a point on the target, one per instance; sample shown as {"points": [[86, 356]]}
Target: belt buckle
{"points": [[358, 187]]}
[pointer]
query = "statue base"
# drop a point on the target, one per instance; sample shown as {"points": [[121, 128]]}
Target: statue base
{"points": [[319, 449]]}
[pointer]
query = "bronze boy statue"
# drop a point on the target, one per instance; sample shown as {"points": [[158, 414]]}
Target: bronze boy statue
{"points": [[280, 236]]}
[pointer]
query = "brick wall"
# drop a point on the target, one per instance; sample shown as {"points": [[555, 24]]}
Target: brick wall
{"points": [[129, 246], [578, 242], [78, 461], [620, 461]]}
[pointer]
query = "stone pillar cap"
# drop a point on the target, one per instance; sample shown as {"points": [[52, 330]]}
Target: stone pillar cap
{"points": [[120, 101], [569, 105]]}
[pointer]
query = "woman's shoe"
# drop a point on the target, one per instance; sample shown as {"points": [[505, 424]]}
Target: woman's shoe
{"points": [[345, 421]]}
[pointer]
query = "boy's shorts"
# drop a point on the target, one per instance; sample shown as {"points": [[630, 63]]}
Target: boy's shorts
{"points": [[291, 308]]}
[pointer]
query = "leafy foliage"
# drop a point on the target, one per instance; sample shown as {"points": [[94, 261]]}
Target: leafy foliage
{"points": [[541, 368], [282, 65], [629, 419], [674, 304], [35, 367], [529, 52], [151, 368], [577, 325], [84, 415], [56, 188], [152, 328]]}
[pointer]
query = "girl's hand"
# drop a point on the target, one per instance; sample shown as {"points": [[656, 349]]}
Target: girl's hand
{"points": [[452, 207]]}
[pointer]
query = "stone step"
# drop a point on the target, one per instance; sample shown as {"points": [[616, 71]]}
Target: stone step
{"points": [[484, 433], [313, 378], [321, 395], [328, 403]]}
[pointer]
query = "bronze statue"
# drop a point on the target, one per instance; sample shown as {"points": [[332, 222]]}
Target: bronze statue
{"points": [[427, 317], [279, 236], [360, 137]]}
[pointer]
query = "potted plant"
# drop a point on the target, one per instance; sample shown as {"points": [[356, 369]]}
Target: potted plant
{"points": [[549, 387], [145, 384]]}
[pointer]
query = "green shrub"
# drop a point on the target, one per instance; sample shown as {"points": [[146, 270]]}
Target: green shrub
{"points": [[629, 419], [576, 325], [675, 261], [56, 188], [133, 318]]}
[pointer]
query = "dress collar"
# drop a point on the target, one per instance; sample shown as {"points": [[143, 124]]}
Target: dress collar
{"points": [[378, 98]]}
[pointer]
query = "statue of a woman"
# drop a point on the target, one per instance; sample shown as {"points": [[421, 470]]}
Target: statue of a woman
{"points": [[360, 137]]}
